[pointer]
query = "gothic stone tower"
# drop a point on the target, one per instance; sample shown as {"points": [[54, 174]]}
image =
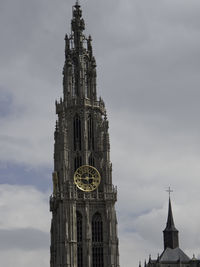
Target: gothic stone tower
{"points": [[84, 224]]}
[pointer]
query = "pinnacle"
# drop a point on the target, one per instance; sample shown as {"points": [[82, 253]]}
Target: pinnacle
{"points": [[77, 3]]}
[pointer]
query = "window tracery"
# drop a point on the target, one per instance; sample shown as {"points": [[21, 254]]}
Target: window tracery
{"points": [[97, 241], [90, 126], [79, 224], [77, 162], [91, 160], [77, 133]]}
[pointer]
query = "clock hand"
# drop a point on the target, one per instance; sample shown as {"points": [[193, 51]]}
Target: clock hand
{"points": [[87, 178]]}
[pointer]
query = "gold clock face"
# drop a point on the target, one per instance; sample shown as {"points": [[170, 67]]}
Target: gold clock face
{"points": [[87, 178]]}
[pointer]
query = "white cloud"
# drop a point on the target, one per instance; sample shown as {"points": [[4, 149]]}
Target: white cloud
{"points": [[24, 226], [23, 207], [20, 258]]}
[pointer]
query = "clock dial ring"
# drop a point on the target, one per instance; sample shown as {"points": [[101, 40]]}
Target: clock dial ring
{"points": [[87, 178]]}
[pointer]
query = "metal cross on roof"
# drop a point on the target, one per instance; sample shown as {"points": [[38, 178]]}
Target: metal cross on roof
{"points": [[169, 190]]}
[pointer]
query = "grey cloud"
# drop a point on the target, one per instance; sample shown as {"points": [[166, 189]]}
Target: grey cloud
{"points": [[6, 103], [23, 239], [18, 21]]}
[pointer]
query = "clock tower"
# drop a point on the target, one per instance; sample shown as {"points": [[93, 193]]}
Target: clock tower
{"points": [[84, 223]]}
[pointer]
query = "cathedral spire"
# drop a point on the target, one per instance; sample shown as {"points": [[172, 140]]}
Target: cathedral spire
{"points": [[78, 26], [75, 69], [79, 81], [170, 233]]}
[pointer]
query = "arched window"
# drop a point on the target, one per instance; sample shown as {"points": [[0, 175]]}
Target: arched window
{"points": [[77, 162], [77, 133], [76, 77], [97, 241], [73, 80], [90, 126], [86, 77], [79, 223]]}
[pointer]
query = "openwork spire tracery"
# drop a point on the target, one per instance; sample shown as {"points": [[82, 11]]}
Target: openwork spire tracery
{"points": [[80, 65]]}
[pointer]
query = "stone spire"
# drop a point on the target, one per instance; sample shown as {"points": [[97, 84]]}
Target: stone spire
{"points": [[78, 26], [79, 81], [170, 233]]}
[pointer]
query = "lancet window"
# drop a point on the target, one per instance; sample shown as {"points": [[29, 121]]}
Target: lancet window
{"points": [[77, 133], [91, 160], [79, 223], [77, 162], [97, 241], [76, 77], [85, 75], [73, 80], [90, 133]]}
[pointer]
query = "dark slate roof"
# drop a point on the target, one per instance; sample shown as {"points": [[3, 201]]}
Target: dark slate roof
{"points": [[175, 254]]}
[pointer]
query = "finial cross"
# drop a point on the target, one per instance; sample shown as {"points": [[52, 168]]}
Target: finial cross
{"points": [[169, 190]]}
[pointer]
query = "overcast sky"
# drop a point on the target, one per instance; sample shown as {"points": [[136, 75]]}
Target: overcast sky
{"points": [[148, 66]]}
